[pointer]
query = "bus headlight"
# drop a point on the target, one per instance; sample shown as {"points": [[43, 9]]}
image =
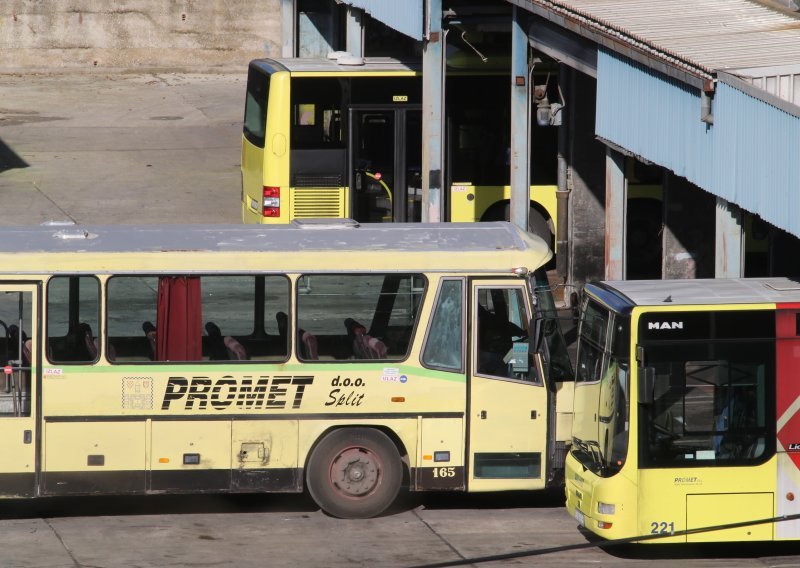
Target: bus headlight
{"points": [[606, 508]]}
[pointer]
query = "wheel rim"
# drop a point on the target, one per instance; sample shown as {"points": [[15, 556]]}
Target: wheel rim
{"points": [[355, 472]]}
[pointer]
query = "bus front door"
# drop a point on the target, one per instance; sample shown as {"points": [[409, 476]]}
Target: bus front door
{"points": [[385, 164], [18, 389], [507, 438]]}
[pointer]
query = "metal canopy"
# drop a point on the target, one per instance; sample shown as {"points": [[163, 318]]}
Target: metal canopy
{"points": [[404, 16]]}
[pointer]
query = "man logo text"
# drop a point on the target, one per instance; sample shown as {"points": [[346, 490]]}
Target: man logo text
{"points": [[665, 325]]}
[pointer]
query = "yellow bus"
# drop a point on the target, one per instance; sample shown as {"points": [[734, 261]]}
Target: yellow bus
{"points": [[686, 410], [349, 359], [322, 138]]}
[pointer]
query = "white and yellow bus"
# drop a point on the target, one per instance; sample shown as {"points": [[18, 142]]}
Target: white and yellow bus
{"points": [[326, 139], [686, 403], [345, 358]]}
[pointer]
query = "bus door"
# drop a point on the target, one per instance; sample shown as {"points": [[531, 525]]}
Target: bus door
{"points": [[18, 348], [385, 164], [507, 441]]}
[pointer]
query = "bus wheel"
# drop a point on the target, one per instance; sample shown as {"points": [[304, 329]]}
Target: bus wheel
{"points": [[354, 473]]}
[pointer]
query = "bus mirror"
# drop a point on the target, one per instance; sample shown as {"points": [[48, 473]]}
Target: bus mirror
{"points": [[647, 383]]}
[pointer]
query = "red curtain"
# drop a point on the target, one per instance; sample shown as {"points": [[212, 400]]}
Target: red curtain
{"points": [[179, 319]]}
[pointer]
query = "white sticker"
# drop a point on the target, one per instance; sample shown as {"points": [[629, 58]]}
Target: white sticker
{"points": [[53, 371], [392, 375]]}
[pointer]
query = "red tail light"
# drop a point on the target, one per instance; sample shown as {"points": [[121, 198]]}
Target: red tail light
{"points": [[272, 202]]}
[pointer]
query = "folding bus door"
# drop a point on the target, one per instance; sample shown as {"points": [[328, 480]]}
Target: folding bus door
{"points": [[18, 388], [507, 439]]}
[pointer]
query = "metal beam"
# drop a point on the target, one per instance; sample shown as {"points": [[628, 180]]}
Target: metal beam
{"points": [[288, 28], [520, 122], [355, 32], [432, 105], [728, 257], [615, 215]]}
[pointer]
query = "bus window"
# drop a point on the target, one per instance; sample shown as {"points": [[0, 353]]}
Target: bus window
{"points": [[710, 396], [15, 351], [73, 319], [444, 345], [346, 312], [502, 325], [255, 106], [212, 318]]}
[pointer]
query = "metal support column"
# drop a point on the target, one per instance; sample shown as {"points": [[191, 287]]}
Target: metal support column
{"points": [[432, 112], [729, 253], [355, 32], [520, 121], [287, 28], [615, 215]]}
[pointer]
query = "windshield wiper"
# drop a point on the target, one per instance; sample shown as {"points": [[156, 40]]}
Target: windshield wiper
{"points": [[591, 449]]}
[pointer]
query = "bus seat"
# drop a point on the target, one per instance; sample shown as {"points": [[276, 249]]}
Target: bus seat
{"points": [[283, 325], [89, 342], [364, 345], [150, 332], [308, 346], [235, 349], [26, 353], [217, 351]]}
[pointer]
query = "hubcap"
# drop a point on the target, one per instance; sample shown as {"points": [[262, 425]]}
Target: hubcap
{"points": [[355, 472]]}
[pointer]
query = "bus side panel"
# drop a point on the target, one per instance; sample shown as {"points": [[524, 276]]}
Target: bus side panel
{"points": [[191, 455], [277, 143], [264, 456], [93, 457], [441, 457], [788, 428]]}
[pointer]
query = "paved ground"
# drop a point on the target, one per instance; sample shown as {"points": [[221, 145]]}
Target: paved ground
{"points": [[134, 148], [288, 531]]}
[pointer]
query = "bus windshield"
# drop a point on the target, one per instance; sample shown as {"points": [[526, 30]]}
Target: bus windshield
{"points": [[602, 390]]}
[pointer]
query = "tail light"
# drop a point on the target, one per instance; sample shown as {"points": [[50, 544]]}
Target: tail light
{"points": [[272, 202]]}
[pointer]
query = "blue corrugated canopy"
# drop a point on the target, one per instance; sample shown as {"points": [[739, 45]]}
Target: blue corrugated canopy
{"points": [[405, 16], [749, 156]]}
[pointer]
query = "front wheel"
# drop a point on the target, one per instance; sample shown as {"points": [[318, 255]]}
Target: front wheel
{"points": [[354, 473]]}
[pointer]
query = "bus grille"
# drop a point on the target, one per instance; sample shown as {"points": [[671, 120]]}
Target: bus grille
{"points": [[310, 202], [311, 180]]}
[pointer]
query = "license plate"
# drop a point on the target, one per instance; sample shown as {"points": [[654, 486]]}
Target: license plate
{"points": [[580, 518]]}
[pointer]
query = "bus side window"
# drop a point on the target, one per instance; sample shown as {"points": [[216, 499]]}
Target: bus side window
{"points": [[73, 315], [381, 311], [444, 344]]}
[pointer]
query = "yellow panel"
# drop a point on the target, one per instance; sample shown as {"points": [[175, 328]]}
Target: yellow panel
{"points": [[720, 509], [212, 440], [278, 438], [68, 444], [442, 434]]}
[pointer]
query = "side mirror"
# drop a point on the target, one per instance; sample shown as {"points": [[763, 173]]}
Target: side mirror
{"points": [[647, 383]]}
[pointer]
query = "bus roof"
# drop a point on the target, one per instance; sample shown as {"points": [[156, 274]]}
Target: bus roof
{"points": [[325, 244], [701, 291], [319, 65]]}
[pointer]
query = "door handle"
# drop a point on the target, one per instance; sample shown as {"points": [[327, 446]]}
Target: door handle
{"points": [[483, 415], [533, 415]]}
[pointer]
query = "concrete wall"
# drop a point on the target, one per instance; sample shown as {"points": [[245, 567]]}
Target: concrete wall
{"points": [[137, 33]]}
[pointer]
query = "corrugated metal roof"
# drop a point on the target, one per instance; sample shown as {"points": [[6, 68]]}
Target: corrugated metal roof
{"points": [[711, 34], [405, 16], [749, 156]]}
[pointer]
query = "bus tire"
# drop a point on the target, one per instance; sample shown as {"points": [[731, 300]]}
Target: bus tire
{"points": [[354, 473]]}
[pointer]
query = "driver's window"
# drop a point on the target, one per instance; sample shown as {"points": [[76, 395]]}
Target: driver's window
{"points": [[502, 332]]}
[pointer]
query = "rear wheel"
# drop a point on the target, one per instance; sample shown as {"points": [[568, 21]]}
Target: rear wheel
{"points": [[354, 473]]}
